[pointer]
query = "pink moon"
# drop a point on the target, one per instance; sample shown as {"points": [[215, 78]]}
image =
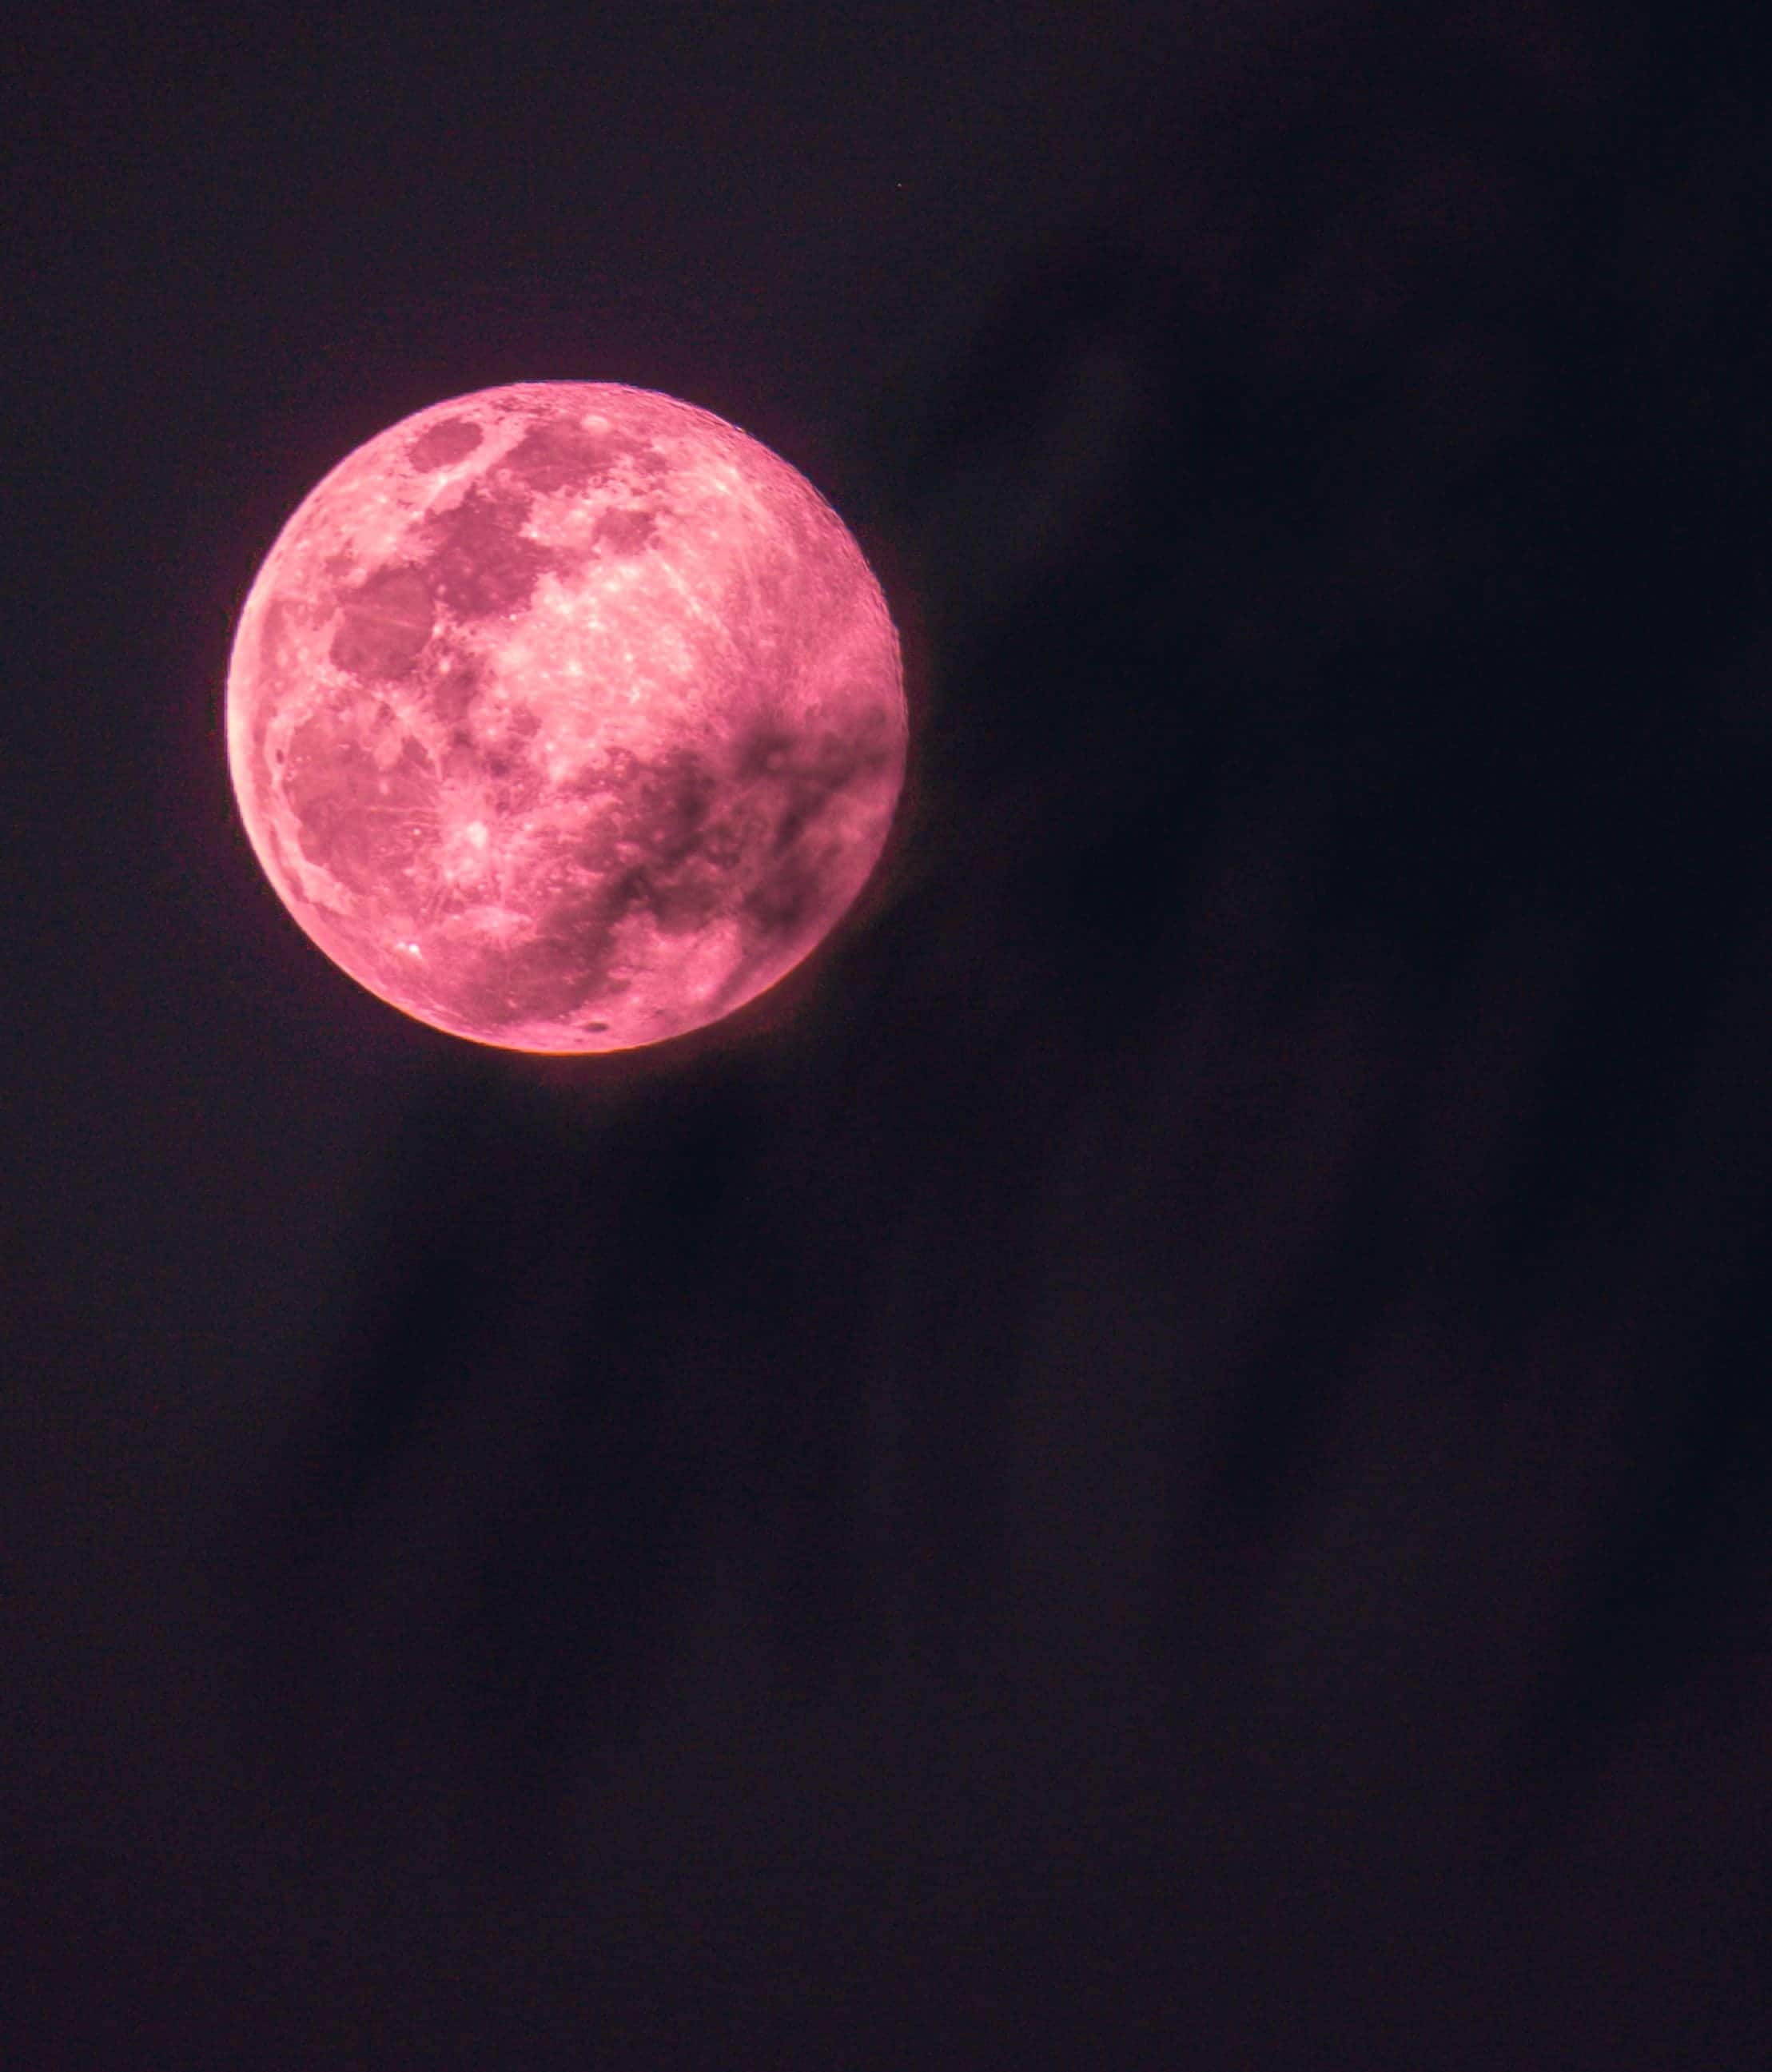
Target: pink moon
{"points": [[566, 717]]}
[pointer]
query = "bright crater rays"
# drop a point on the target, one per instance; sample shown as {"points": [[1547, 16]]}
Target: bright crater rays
{"points": [[565, 717]]}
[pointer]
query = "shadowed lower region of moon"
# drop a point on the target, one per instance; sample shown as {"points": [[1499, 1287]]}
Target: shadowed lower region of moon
{"points": [[566, 717]]}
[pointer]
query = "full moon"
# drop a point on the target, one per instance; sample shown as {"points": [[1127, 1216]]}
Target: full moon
{"points": [[566, 717]]}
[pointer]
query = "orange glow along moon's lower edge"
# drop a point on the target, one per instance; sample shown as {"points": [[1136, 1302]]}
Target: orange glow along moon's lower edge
{"points": [[565, 717]]}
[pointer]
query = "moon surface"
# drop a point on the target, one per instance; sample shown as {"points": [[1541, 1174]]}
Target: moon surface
{"points": [[566, 717]]}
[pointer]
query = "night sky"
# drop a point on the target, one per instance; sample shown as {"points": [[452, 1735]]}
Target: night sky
{"points": [[1167, 1457]]}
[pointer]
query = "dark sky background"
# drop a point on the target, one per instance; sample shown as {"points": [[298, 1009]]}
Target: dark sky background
{"points": [[1169, 1459]]}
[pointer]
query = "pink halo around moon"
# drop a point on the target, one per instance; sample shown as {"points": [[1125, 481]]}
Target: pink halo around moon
{"points": [[565, 717]]}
